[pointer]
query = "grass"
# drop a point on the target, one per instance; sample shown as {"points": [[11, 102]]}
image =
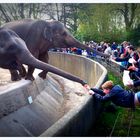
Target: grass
{"points": [[121, 122]]}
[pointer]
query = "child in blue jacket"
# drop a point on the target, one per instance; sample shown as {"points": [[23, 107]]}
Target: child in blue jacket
{"points": [[117, 95]]}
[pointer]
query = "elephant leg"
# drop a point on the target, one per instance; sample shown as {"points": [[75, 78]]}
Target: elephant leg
{"points": [[14, 75], [22, 71], [44, 58], [29, 75], [43, 74]]}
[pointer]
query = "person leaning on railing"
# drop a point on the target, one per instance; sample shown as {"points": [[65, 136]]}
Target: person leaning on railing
{"points": [[116, 94]]}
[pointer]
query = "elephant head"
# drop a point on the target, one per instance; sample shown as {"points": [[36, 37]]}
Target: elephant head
{"points": [[13, 53], [61, 38]]}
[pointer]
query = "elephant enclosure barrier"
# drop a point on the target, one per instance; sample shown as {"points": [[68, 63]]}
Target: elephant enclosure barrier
{"points": [[54, 106]]}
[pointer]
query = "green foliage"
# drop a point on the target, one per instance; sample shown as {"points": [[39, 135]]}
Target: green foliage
{"points": [[107, 22], [87, 21], [115, 79], [97, 23], [134, 36]]}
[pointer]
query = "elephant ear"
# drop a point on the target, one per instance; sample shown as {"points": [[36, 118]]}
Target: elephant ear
{"points": [[48, 34]]}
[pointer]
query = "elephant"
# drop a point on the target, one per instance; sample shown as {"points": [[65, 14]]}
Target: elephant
{"points": [[14, 53], [40, 36]]}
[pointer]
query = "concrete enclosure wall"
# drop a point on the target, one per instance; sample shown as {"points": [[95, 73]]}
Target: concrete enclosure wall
{"points": [[79, 120], [41, 115], [85, 68]]}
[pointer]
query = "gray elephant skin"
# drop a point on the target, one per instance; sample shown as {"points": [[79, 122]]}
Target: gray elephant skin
{"points": [[40, 36], [14, 53]]}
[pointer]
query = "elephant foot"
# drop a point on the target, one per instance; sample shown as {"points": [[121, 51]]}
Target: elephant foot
{"points": [[42, 75], [15, 77], [22, 72], [29, 77]]}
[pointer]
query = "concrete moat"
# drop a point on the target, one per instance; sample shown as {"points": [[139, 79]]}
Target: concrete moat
{"points": [[54, 106]]}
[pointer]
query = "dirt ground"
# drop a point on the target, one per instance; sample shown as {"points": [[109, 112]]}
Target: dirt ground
{"points": [[74, 93]]}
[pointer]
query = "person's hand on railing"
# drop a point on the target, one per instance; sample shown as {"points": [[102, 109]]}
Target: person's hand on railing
{"points": [[87, 87], [130, 84], [91, 92], [113, 58], [132, 68]]}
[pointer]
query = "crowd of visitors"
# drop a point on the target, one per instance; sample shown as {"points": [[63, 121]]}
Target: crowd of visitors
{"points": [[127, 56], [124, 54]]}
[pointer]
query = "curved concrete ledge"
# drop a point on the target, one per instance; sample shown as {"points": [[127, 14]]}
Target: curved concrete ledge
{"points": [[55, 106], [78, 121]]}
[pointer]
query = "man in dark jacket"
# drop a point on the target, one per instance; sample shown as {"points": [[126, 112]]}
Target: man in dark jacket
{"points": [[117, 95]]}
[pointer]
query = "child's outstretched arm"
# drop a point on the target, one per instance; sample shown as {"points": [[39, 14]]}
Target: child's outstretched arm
{"points": [[99, 91]]}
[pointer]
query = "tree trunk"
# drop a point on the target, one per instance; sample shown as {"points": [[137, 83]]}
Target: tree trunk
{"points": [[129, 15], [7, 18], [21, 10]]}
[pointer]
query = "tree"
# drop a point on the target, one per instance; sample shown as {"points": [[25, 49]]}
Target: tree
{"points": [[134, 36], [128, 11], [98, 22], [109, 22]]}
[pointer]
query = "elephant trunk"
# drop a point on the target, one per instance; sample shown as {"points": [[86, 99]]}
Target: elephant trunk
{"points": [[78, 44], [28, 59], [94, 51]]}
